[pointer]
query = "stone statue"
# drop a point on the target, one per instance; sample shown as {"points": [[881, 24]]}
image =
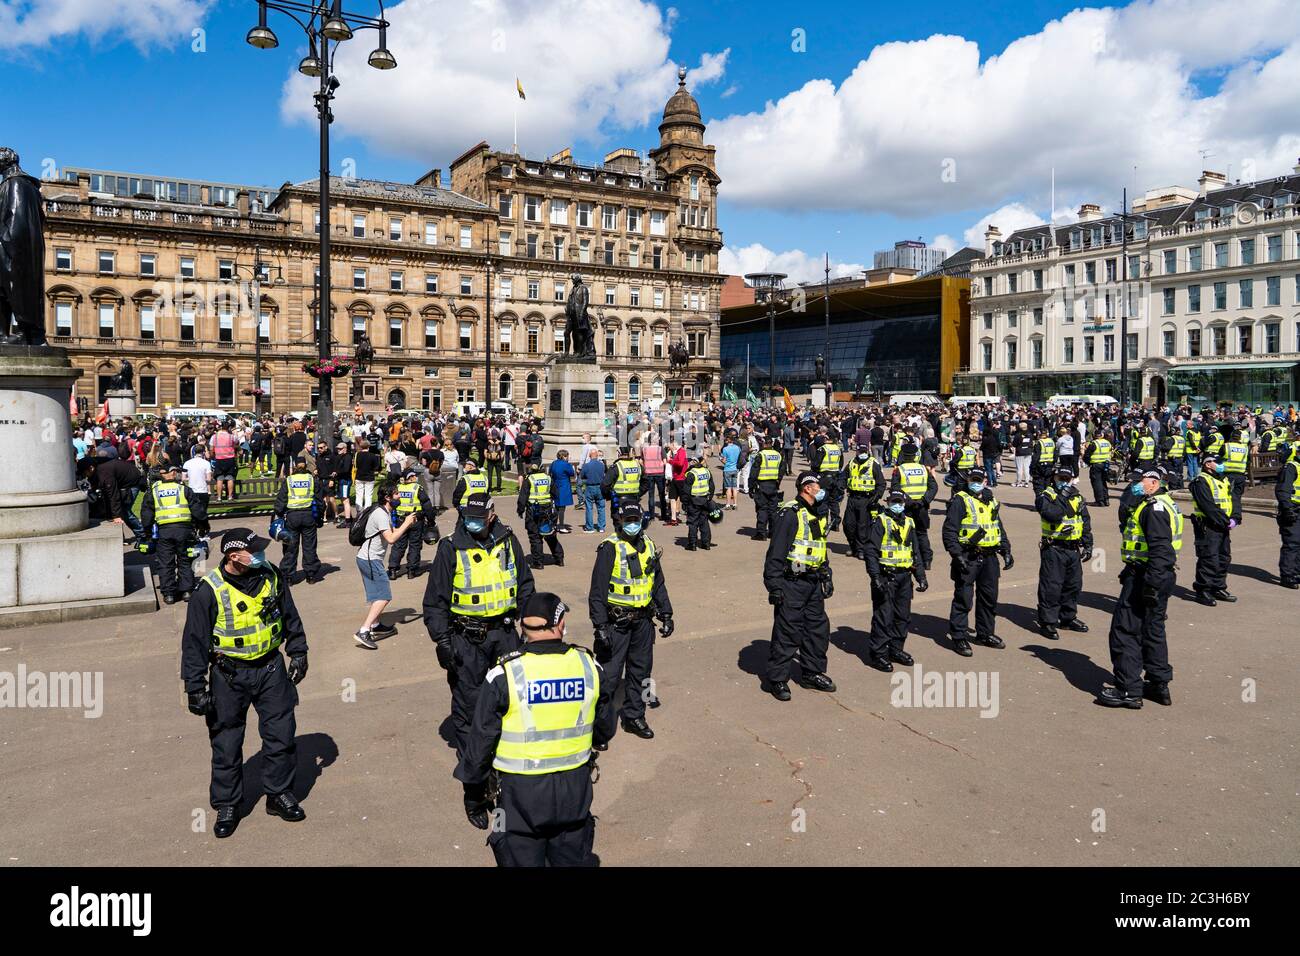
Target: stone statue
{"points": [[125, 377], [678, 357], [579, 340], [821, 370], [22, 254], [365, 355]]}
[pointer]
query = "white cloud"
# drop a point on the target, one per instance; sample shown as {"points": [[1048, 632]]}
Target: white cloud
{"points": [[587, 67], [925, 125], [947, 243], [795, 263], [145, 23], [1008, 219]]}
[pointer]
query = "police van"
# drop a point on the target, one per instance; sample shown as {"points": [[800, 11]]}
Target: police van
{"points": [[1059, 401]]}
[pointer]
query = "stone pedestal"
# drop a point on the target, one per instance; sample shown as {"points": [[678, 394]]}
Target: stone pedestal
{"points": [[819, 396], [365, 392], [121, 402], [574, 405]]}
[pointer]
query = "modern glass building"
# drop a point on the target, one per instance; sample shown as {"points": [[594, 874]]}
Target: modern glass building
{"points": [[901, 337]]}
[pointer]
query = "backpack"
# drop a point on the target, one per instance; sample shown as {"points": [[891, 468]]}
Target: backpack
{"points": [[357, 533], [277, 446], [526, 448]]}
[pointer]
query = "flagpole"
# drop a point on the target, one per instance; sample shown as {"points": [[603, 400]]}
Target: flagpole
{"points": [[515, 148]]}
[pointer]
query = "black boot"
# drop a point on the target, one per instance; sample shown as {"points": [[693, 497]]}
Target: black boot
{"points": [[227, 822], [880, 663], [1074, 624], [1114, 697], [1157, 692], [638, 727], [285, 806], [779, 689]]}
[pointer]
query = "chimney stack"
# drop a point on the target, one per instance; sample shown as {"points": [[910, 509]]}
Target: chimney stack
{"points": [[991, 235], [1089, 211], [1211, 180]]}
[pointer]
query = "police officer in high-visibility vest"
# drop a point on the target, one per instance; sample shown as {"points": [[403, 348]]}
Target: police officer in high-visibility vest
{"points": [[472, 482], [240, 615], [1173, 450], [1274, 438], [1214, 515], [299, 503], [697, 491], [477, 581], [963, 459], [827, 460], [627, 592], [893, 559], [1042, 463], [1097, 454], [167, 510], [902, 435], [797, 575], [1064, 548], [1152, 534], [1192, 454], [865, 481], [536, 505], [1212, 441], [529, 759], [974, 536], [412, 499], [1236, 458], [1287, 493], [624, 481], [917, 482], [1142, 449], [765, 486]]}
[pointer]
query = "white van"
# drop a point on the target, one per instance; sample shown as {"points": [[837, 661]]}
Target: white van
{"points": [[177, 412], [1057, 401], [961, 401], [914, 398]]}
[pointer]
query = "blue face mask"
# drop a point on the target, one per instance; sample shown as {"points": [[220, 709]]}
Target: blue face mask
{"points": [[896, 509], [821, 495], [976, 487], [1220, 468], [632, 529], [259, 560], [475, 526], [1062, 485], [1137, 488]]}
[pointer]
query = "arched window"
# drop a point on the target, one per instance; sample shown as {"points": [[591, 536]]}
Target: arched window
{"points": [[505, 386], [609, 388], [532, 386], [657, 388], [634, 389]]}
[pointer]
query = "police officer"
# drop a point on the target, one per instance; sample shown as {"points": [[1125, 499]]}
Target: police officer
{"points": [[974, 536], [1098, 453], [1173, 449], [1212, 441], [1065, 546], [1287, 493], [1274, 438], [477, 581], [298, 502], [1236, 457], [1213, 518], [536, 505], [624, 481], [472, 482], [1152, 535], [797, 575], [542, 713], [893, 558], [412, 499], [765, 486], [827, 460], [230, 658], [167, 508], [697, 489], [865, 480], [916, 481], [1142, 449], [1042, 463], [627, 590], [963, 458]]}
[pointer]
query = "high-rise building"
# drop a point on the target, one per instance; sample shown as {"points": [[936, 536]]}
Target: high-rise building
{"points": [[910, 254]]}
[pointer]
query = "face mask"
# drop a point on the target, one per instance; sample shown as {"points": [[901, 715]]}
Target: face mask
{"points": [[476, 526], [821, 495], [976, 487], [1137, 488], [632, 529], [1220, 468], [1062, 485], [896, 509]]}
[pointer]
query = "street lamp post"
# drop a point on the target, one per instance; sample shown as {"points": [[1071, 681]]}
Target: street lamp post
{"points": [[322, 23], [255, 289], [771, 283], [487, 325]]}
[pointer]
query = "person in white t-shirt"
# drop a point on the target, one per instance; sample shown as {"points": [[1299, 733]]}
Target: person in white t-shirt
{"points": [[198, 478]]}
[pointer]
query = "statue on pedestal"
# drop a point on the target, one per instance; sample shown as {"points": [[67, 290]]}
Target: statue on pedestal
{"points": [[124, 380], [365, 355], [678, 357], [22, 254], [579, 340]]}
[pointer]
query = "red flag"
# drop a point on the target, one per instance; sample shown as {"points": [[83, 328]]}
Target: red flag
{"points": [[103, 413], [72, 404]]}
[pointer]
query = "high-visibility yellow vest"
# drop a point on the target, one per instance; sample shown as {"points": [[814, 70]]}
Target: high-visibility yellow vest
{"points": [[966, 457], [1295, 478], [1220, 491], [548, 726], [697, 479], [1101, 452], [1214, 444], [1070, 527], [832, 457], [1146, 448], [626, 587], [1194, 440], [769, 464], [915, 480], [1046, 451], [808, 550], [408, 498], [486, 581], [979, 516], [539, 489], [476, 483], [628, 481], [862, 476], [247, 626], [1235, 456], [897, 445], [171, 503], [1178, 448], [1133, 550], [302, 488], [896, 543]]}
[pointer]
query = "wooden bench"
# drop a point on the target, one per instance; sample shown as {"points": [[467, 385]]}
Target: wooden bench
{"points": [[1261, 465]]}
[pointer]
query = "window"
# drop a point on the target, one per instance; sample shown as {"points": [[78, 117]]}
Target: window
{"points": [[1134, 267], [187, 268], [1090, 348], [505, 387], [1273, 290], [634, 343], [609, 388], [1193, 258], [559, 212], [657, 345], [558, 338], [609, 341], [659, 295], [532, 209], [1193, 298], [1067, 351], [1220, 296], [359, 227], [148, 264], [1036, 352], [1245, 293], [1274, 253], [394, 229], [431, 233], [557, 248], [506, 205], [430, 333], [658, 223], [1090, 272], [609, 253], [506, 288], [466, 285], [107, 262], [657, 258], [1194, 343], [1013, 318], [634, 389], [225, 391], [394, 333], [1068, 317], [264, 327], [1272, 337], [584, 250], [986, 348], [188, 392], [1171, 262], [1220, 255], [1167, 343], [187, 325], [633, 220], [503, 341], [503, 244], [1012, 347], [1038, 279], [1110, 270], [1038, 316], [533, 339], [584, 214], [695, 187], [358, 328], [1012, 280], [697, 344], [396, 281], [225, 326], [1244, 339], [358, 278], [1108, 348], [558, 294], [316, 221], [466, 337], [531, 387], [1167, 306], [1131, 346], [609, 294], [63, 318], [148, 389], [466, 237], [609, 217], [530, 246], [225, 270], [1248, 252], [1220, 339], [431, 282], [63, 260], [534, 287]]}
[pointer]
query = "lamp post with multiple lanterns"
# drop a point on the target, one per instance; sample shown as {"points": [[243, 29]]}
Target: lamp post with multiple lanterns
{"points": [[323, 24], [769, 284]]}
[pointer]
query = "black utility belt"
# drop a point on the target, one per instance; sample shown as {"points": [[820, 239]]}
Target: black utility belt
{"points": [[222, 661], [621, 614], [480, 625], [861, 494], [810, 574], [1053, 543]]}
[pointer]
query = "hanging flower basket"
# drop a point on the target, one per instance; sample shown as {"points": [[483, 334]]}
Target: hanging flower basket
{"points": [[255, 392], [328, 368]]}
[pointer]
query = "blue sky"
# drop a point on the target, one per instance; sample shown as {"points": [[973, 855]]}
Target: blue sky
{"points": [[139, 98]]}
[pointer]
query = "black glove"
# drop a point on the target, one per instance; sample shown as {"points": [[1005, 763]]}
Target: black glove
{"points": [[922, 585], [478, 808], [601, 645], [1008, 562], [877, 584], [828, 587], [962, 562], [297, 668], [666, 626], [446, 656], [775, 597], [1150, 596], [201, 703], [1086, 555]]}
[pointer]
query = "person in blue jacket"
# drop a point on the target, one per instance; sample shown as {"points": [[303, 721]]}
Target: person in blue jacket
{"points": [[562, 478]]}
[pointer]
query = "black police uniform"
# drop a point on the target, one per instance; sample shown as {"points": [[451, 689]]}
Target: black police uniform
{"points": [[534, 516], [236, 684], [471, 645], [697, 513], [173, 544], [800, 627], [919, 511], [1288, 523], [891, 590], [830, 480], [860, 506], [975, 573], [1060, 563], [1097, 475], [1040, 468], [1212, 539], [411, 544], [1137, 626], [629, 654], [301, 523], [766, 494], [547, 817]]}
